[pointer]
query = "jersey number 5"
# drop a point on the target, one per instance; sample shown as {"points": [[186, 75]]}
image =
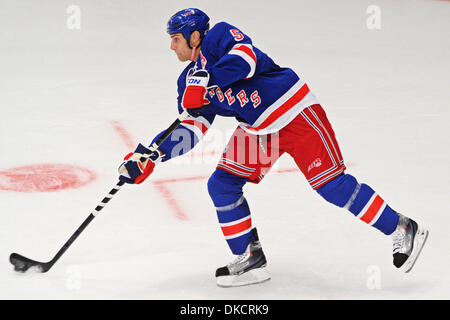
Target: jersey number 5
{"points": [[237, 35]]}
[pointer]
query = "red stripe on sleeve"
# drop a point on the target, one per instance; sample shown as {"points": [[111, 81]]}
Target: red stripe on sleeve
{"points": [[198, 124], [247, 51]]}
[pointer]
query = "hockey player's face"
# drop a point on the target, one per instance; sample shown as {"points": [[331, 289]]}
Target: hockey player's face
{"points": [[180, 46]]}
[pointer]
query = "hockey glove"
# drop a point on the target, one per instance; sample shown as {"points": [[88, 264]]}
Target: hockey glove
{"points": [[194, 95], [138, 165]]}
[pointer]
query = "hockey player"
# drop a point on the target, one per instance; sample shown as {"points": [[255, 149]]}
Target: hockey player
{"points": [[277, 113]]}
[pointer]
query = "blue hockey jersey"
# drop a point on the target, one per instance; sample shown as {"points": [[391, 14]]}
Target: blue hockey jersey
{"points": [[245, 83]]}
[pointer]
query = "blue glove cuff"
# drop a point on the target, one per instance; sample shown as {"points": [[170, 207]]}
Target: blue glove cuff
{"points": [[142, 149]]}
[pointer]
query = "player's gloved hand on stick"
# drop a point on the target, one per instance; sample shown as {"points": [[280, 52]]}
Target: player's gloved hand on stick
{"points": [[195, 92], [138, 165]]}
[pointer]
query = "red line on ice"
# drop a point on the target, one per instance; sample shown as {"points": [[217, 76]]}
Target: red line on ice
{"points": [[165, 192], [123, 133]]}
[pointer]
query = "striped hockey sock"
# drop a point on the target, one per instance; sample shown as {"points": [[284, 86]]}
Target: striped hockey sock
{"points": [[369, 207], [345, 192], [236, 224], [232, 209]]}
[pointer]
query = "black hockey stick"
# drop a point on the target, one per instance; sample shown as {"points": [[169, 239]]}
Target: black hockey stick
{"points": [[22, 264]]}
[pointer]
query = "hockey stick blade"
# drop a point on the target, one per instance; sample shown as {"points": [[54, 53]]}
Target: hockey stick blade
{"points": [[22, 264]]}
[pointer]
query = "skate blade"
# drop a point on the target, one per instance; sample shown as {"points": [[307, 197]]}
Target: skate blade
{"points": [[419, 242], [253, 276]]}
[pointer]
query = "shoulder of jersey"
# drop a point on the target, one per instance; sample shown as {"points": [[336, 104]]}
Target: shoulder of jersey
{"points": [[218, 29]]}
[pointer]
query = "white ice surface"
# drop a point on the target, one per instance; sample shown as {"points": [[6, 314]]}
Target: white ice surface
{"points": [[386, 93]]}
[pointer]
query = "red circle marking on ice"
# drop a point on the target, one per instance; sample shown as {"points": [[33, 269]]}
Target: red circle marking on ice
{"points": [[44, 178]]}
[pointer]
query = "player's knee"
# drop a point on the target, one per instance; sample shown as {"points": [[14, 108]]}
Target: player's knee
{"points": [[216, 185], [225, 188], [339, 190]]}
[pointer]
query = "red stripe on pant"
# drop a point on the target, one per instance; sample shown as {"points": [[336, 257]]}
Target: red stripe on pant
{"points": [[234, 169], [327, 137], [329, 176]]}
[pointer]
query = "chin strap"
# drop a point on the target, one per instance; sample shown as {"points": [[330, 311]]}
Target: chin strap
{"points": [[193, 54]]}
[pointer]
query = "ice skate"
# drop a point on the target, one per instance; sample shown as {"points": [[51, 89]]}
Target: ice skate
{"points": [[247, 268], [408, 241]]}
